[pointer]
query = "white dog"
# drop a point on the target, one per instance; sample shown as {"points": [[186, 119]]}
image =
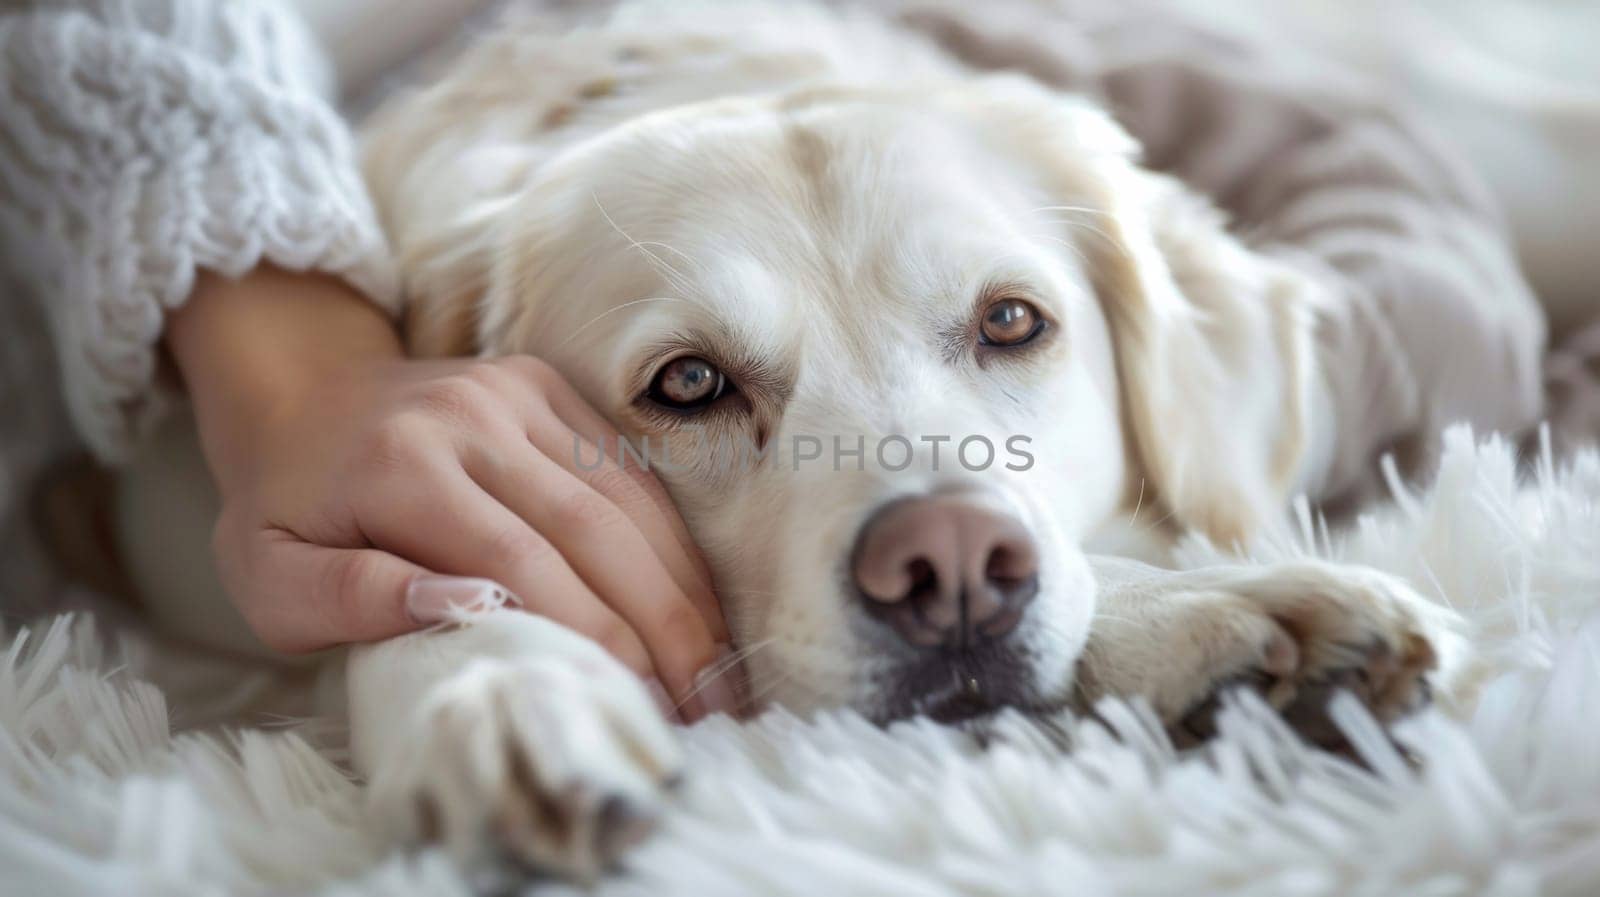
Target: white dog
{"points": [[820, 237]]}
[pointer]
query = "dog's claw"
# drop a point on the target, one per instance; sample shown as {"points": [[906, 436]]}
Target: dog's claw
{"points": [[1378, 657]]}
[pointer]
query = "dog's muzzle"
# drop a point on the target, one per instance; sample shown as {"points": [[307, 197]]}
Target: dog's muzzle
{"points": [[951, 577]]}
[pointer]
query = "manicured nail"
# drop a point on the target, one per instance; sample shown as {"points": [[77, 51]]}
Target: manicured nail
{"points": [[664, 702], [443, 599], [715, 687]]}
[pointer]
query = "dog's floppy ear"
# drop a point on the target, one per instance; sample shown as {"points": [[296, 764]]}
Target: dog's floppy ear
{"points": [[447, 274], [443, 209], [1214, 353], [1213, 341], [442, 190], [446, 163]]}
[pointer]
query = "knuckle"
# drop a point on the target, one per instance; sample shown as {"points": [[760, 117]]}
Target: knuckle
{"points": [[631, 483], [530, 370], [526, 366], [395, 443], [490, 375], [632, 489], [345, 585], [585, 510], [678, 623], [456, 398], [515, 548], [543, 370]]}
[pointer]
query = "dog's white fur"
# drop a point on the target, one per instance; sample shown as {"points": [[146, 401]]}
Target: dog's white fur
{"points": [[819, 203]]}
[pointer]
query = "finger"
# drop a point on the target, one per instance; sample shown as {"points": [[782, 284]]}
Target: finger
{"points": [[639, 495], [607, 550], [309, 597], [642, 486], [635, 490], [453, 527]]}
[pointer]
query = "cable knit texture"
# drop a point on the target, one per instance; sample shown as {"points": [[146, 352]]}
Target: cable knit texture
{"points": [[146, 139]]}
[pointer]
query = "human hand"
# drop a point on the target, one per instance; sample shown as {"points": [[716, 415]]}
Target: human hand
{"points": [[364, 493]]}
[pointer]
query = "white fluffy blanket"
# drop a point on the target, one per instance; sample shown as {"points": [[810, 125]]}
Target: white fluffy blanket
{"points": [[98, 796]]}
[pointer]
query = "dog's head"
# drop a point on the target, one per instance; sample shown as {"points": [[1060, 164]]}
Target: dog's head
{"points": [[904, 352]]}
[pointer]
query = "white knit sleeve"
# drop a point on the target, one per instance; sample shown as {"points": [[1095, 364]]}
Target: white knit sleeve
{"points": [[146, 139]]}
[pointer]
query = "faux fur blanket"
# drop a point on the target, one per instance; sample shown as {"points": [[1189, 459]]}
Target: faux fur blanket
{"points": [[98, 795]]}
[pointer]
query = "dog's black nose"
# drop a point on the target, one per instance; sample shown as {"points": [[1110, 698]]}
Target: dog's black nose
{"points": [[945, 570]]}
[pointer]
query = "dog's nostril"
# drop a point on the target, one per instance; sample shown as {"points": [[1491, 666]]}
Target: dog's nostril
{"points": [[924, 578], [1009, 563], [945, 570]]}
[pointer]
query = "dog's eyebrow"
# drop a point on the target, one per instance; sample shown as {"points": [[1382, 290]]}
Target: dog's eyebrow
{"points": [[611, 311]]}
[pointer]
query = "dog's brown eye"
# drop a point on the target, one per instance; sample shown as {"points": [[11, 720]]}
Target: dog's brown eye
{"points": [[1009, 322], [687, 384]]}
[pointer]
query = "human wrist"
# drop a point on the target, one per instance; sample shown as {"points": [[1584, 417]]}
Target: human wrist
{"points": [[256, 352]]}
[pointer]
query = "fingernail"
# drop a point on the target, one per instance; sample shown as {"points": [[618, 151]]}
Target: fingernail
{"points": [[443, 599], [715, 687], [664, 702]]}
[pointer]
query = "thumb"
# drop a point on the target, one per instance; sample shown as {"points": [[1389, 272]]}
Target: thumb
{"points": [[304, 597]]}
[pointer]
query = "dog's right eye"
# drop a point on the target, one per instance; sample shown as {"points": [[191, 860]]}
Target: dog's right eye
{"points": [[1009, 323], [688, 384]]}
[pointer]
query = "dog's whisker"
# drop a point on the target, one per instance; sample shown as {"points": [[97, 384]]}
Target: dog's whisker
{"points": [[1085, 209], [745, 652], [748, 593], [1051, 627], [672, 249], [1081, 697], [1111, 618], [721, 668], [1133, 519], [756, 697], [1084, 225], [675, 277], [592, 321], [1163, 519], [1068, 244]]}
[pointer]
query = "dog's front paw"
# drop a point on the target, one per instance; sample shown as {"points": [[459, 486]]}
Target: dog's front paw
{"points": [[555, 765], [1299, 633], [1295, 632]]}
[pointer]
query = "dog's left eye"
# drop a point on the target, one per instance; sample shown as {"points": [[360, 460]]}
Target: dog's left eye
{"points": [[1009, 322], [688, 384]]}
